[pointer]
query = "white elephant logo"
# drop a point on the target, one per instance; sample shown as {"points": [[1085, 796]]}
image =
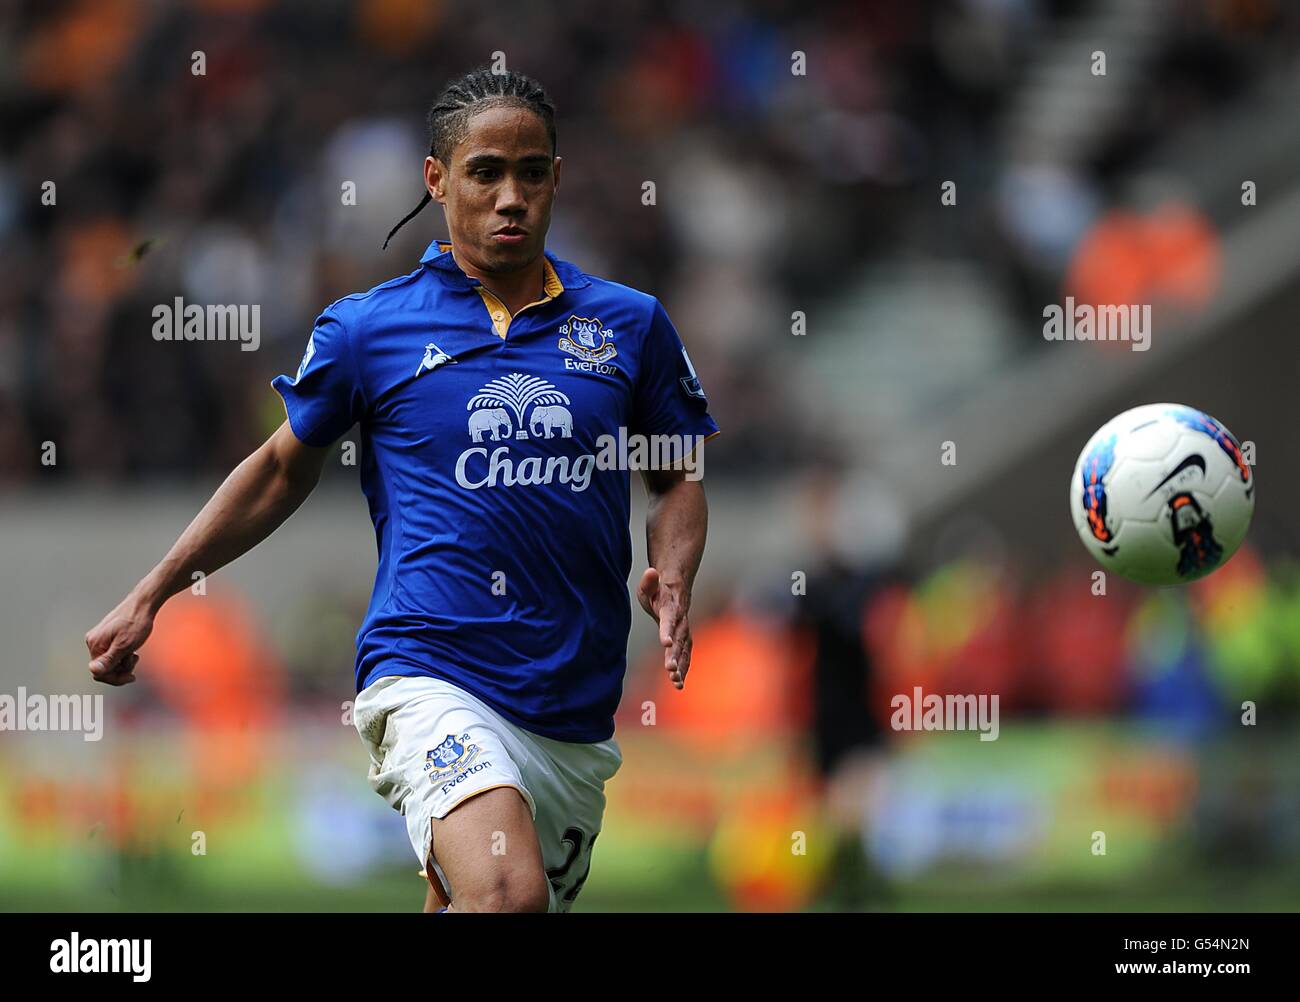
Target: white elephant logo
{"points": [[492, 420], [551, 418], [518, 392]]}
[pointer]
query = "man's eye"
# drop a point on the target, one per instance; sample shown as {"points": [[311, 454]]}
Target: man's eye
{"points": [[485, 173]]}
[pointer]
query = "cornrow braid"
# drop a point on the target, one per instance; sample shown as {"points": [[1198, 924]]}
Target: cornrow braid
{"points": [[461, 99]]}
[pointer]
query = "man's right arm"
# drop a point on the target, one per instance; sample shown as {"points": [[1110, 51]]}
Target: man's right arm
{"points": [[263, 491]]}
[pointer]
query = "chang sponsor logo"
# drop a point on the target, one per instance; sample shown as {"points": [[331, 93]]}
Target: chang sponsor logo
{"points": [[521, 408]]}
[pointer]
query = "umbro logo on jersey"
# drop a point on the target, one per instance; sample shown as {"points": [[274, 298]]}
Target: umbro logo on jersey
{"points": [[433, 357]]}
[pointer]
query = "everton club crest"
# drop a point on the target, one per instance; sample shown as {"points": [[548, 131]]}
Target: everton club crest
{"points": [[587, 339], [454, 755]]}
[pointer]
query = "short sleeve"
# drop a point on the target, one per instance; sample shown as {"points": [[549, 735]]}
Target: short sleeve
{"points": [[669, 399], [324, 399]]}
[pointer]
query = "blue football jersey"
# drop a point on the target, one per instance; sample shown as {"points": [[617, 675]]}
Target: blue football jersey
{"points": [[503, 536]]}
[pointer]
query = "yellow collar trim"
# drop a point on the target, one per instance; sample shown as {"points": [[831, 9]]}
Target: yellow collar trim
{"points": [[552, 285], [500, 316]]}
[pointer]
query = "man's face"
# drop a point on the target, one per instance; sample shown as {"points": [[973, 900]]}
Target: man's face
{"points": [[498, 189]]}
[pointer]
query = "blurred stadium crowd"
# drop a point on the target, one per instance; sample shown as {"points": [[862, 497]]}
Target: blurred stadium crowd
{"points": [[773, 189]]}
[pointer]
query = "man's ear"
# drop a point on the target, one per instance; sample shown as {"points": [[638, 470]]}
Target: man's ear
{"points": [[435, 179], [556, 170]]}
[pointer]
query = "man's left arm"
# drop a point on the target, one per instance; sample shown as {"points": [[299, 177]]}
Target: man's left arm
{"points": [[677, 522]]}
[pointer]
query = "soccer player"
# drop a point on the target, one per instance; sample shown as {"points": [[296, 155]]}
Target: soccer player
{"points": [[488, 384]]}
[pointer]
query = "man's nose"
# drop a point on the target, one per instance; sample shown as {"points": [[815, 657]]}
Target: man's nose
{"points": [[510, 196]]}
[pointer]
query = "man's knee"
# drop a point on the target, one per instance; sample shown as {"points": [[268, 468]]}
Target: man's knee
{"points": [[514, 890], [470, 843]]}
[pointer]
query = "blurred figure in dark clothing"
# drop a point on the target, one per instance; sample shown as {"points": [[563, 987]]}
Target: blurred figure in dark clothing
{"points": [[855, 533]]}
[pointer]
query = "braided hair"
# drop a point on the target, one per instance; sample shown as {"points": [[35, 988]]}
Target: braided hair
{"points": [[463, 98]]}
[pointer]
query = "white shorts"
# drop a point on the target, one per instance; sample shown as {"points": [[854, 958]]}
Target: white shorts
{"points": [[433, 745]]}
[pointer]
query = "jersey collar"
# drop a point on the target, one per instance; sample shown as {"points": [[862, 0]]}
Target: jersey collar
{"points": [[440, 259]]}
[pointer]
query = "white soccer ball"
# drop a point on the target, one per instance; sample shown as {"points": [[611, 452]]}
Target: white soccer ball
{"points": [[1162, 495]]}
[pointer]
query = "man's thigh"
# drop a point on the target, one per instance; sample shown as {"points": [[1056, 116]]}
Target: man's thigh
{"points": [[486, 848], [435, 751], [467, 780], [568, 785], [501, 838]]}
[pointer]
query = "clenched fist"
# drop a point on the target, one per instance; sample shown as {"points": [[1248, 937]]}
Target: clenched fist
{"points": [[113, 643]]}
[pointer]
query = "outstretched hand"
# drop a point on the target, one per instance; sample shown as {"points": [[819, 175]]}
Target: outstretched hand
{"points": [[668, 605]]}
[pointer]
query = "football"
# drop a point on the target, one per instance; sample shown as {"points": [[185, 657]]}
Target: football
{"points": [[1162, 494]]}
